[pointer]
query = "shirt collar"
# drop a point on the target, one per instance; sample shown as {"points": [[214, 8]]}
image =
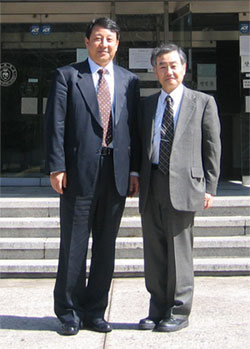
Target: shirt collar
{"points": [[95, 67], [176, 94]]}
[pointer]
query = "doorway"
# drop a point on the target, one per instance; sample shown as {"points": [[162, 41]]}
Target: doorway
{"points": [[30, 55]]}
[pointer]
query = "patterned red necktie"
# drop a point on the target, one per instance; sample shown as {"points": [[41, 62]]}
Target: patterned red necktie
{"points": [[167, 136], [104, 102]]}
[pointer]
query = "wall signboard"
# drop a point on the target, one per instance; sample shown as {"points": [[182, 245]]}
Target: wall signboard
{"points": [[246, 83]]}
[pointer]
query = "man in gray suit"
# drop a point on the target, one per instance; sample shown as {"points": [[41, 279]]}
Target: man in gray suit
{"points": [[178, 175]]}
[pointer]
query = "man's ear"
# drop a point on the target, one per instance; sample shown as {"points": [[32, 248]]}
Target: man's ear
{"points": [[154, 70], [185, 68], [86, 40], [117, 45]]}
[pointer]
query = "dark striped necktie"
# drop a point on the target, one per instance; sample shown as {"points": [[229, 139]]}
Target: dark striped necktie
{"points": [[167, 136]]}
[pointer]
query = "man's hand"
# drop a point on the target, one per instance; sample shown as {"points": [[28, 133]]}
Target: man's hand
{"points": [[133, 186], [208, 200], [58, 181]]}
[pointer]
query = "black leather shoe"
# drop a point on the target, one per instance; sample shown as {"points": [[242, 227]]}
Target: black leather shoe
{"points": [[97, 324], [170, 325], [147, 324], [70, 329]]}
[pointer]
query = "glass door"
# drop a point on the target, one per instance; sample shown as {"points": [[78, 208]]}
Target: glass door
{"points": [[30, 54], [181, 27]]}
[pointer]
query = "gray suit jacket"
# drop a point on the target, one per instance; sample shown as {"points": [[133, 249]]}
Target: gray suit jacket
{"points": [[195, 157]]}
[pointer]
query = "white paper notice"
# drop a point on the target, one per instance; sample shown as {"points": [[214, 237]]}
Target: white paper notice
{"points": [[29, 105], [81, 54], [245, 64], [45, 99], [139, 58], [247, 99], [244, 45]]}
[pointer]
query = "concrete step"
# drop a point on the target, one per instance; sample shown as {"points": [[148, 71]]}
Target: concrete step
{"points": [[203, 226], [29, 207], [49, 207], [126, 248], [130, 226], [29, 235], [124, 267], [228, 206]]}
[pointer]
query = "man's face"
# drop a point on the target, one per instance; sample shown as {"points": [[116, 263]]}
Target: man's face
{"points": [[169, 71], [102, 45]]}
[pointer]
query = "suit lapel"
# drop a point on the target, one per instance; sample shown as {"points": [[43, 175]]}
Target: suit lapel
{"points": [[120, 92], [186, 112], [150, 119], [86, 86]]}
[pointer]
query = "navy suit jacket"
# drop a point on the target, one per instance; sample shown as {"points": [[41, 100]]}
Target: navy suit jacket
{"points": [[74, 129]]}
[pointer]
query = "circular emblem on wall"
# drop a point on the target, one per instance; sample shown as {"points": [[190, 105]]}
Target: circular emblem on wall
{"points": [[8, 74], [46, 29], [35, 30], [244, 28]]}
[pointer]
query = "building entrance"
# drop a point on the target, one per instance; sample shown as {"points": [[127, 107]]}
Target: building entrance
{"points": [[29, 58], [23, 107], [37, 37]]}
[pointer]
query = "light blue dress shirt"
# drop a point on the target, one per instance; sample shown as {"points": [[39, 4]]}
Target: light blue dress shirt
{"points": [[176, 95], [109, 76]]}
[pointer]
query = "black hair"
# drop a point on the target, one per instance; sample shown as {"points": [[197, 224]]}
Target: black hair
{"points": [[103, 22], [166, 48]]}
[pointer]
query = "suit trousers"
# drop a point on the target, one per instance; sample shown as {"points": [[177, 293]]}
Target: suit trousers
{"points": [[168, 246], [75, 297]]}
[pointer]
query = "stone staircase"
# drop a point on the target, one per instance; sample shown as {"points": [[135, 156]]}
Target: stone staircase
{"points": [[29, 238]]}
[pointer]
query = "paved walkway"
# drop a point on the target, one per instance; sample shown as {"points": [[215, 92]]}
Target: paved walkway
{"points": [[219, 319]]}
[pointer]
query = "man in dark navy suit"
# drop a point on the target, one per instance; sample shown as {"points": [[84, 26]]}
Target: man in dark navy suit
{"points": [[88, 159]]}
